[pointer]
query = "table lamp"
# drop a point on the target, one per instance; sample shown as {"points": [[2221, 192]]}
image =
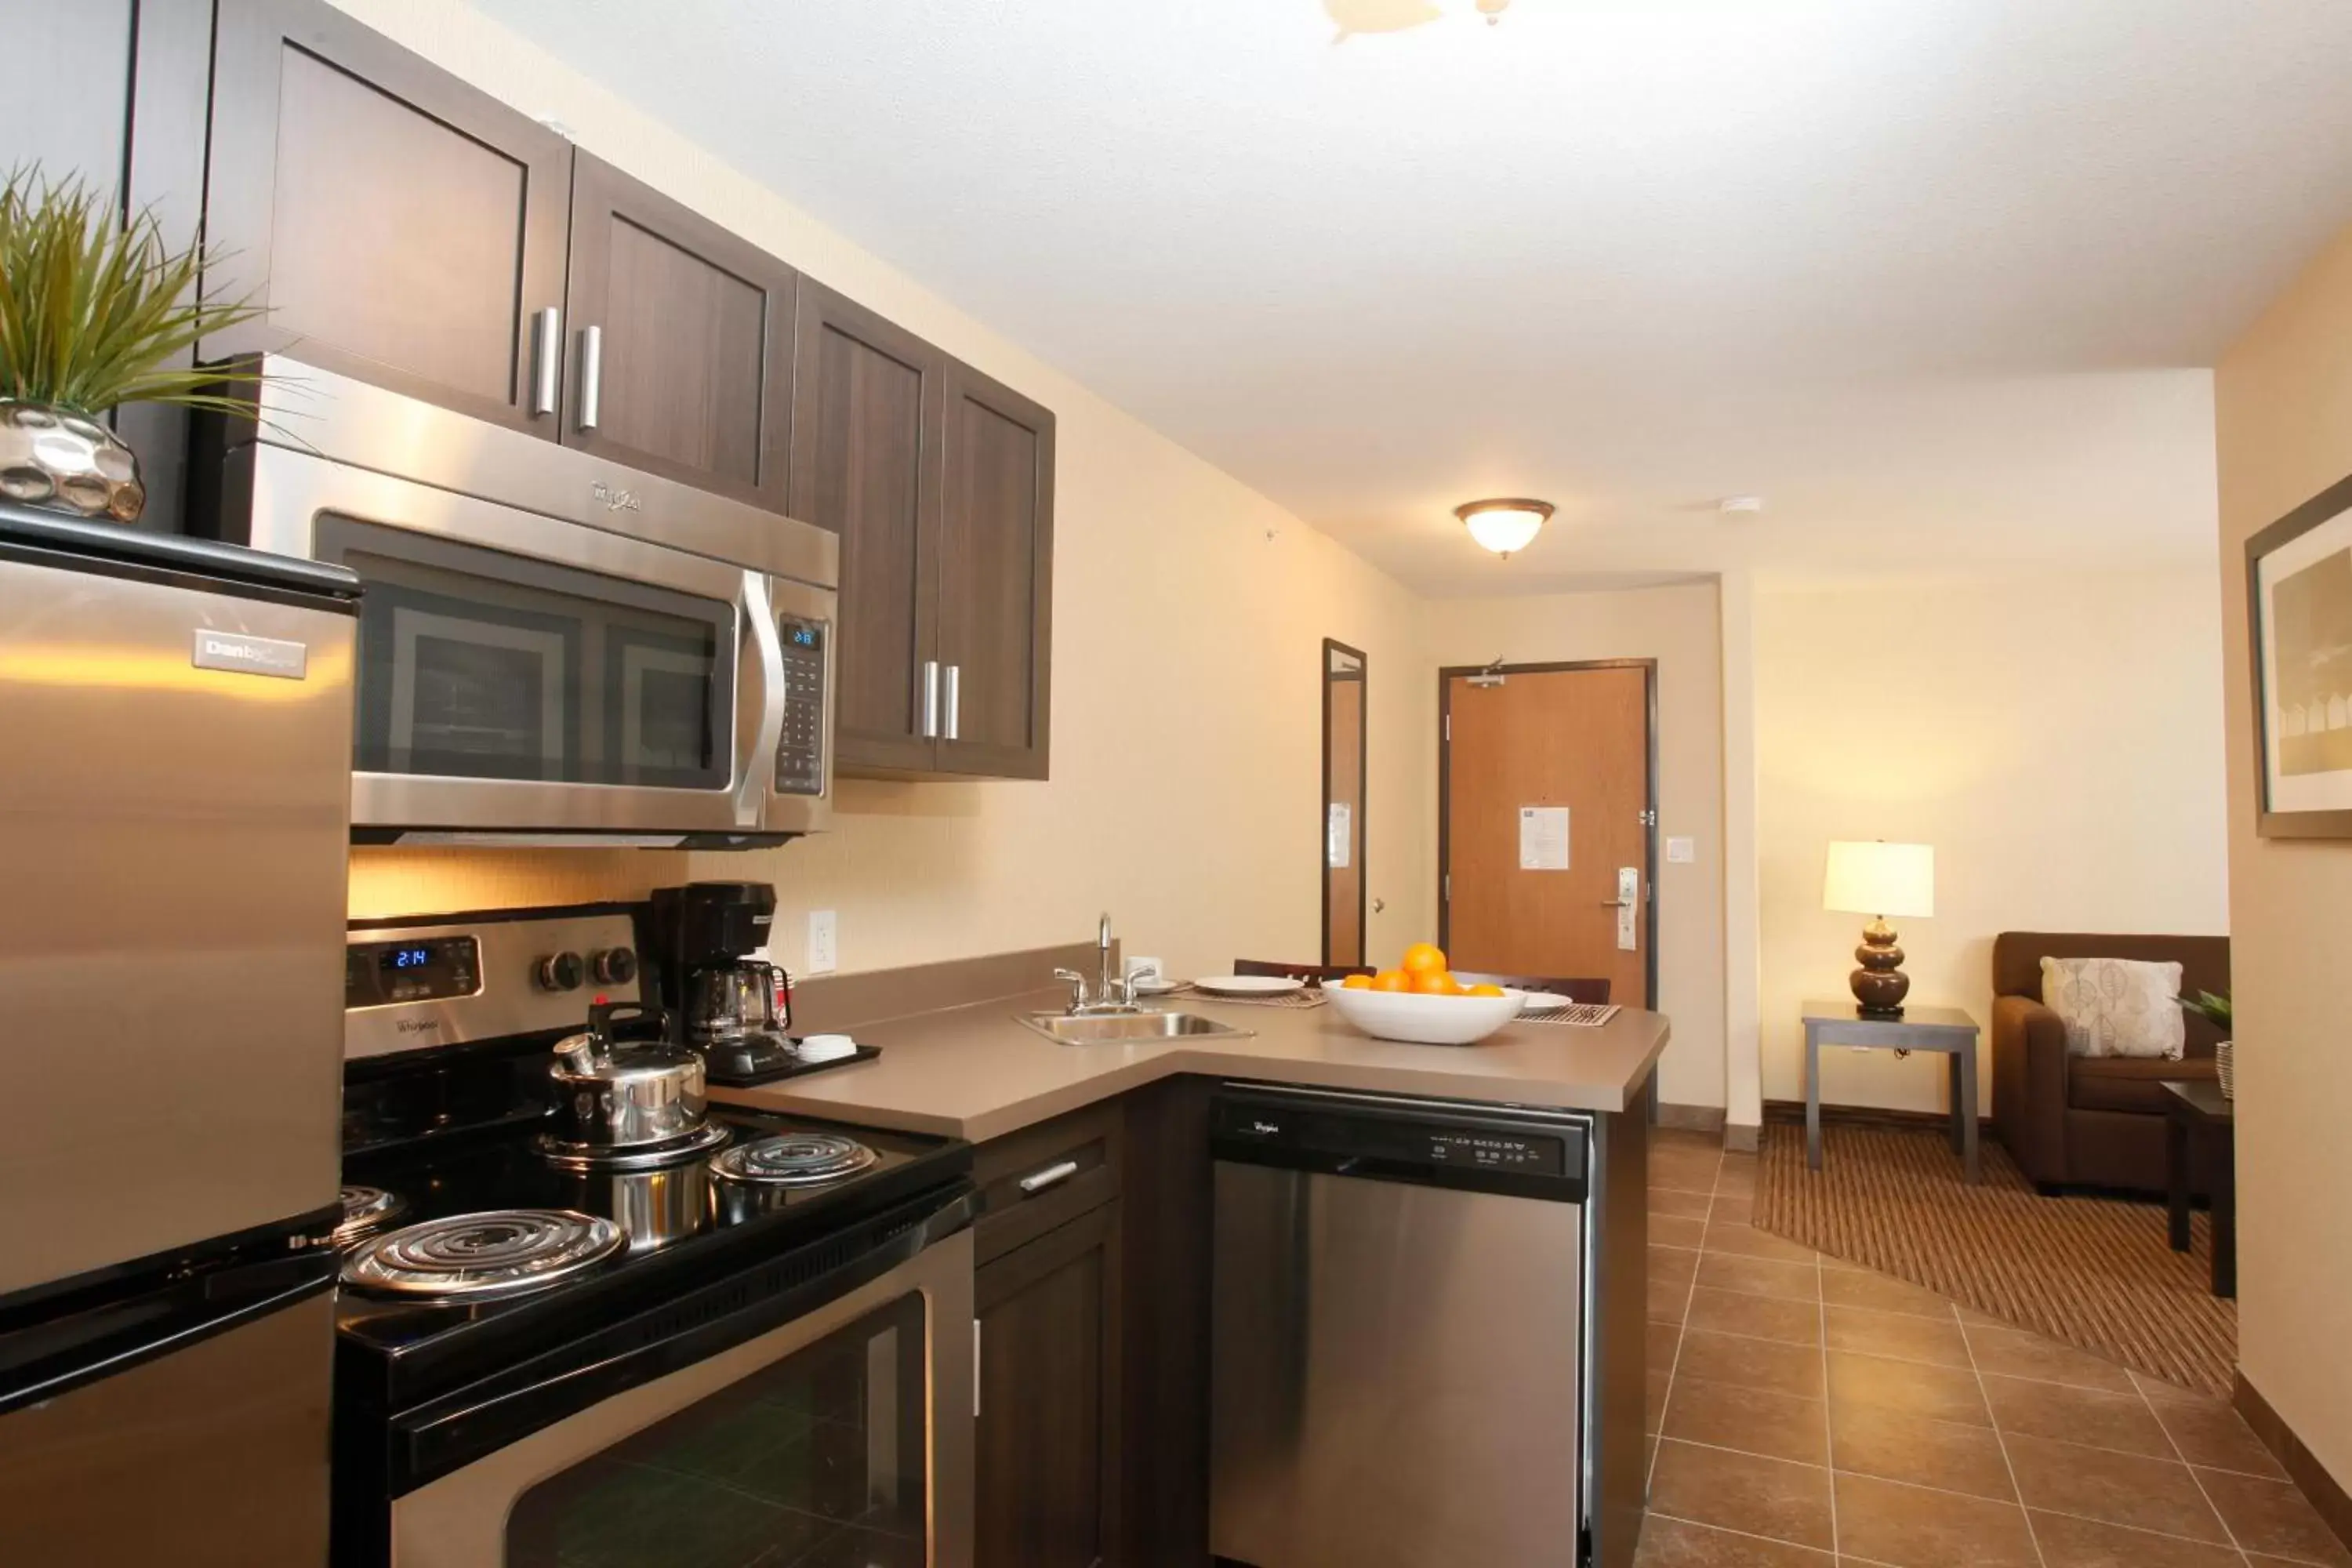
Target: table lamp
{"points": [[1879, 878]]}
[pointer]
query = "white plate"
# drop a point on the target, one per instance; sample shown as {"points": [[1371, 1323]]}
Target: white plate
{"points": [[1153, 985], [1249, 984], [1424, 1020], [1536, 1001]]}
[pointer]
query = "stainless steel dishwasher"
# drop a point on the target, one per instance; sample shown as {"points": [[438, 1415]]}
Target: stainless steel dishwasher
{"points": [[1400, 1348]]}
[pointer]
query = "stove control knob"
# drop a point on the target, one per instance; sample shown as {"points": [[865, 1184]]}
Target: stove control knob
{"points": [[561, 972], [614, 966]]}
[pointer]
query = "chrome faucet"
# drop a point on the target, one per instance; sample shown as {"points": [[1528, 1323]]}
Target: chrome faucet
{"points": [[1111, 993]]}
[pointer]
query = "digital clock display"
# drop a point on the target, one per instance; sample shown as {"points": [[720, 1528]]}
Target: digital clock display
{"points": [[801, 635], [376, 973]]}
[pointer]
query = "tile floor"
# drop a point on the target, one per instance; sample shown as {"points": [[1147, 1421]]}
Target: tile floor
{"points": [[1805, 1413]]}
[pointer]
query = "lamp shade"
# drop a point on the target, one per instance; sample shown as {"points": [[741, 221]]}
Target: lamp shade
{"points": [[1873, 877]]}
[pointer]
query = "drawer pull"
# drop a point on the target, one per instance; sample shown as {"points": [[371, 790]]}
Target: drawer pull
{"points": [[1051, 1176]]}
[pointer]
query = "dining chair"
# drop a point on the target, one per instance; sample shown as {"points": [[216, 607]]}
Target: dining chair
{"points": [[1594, 992]]}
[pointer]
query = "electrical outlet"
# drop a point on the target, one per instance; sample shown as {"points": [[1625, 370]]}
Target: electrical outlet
{"points": [[1682, 851], [823, 942]]}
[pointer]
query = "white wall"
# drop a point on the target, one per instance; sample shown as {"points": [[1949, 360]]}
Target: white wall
{"points": [[1188, 616], [2283, 413], [1677, 626], [2056, 738]]}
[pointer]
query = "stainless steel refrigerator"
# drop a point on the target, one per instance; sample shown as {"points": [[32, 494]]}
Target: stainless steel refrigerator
{"points": [[175, 723]]}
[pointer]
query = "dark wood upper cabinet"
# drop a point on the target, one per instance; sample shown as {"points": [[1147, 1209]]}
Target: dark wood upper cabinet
{"points": [[1048, 1447], [867, 402], [401, 227], [681, 340], [996, 579]]}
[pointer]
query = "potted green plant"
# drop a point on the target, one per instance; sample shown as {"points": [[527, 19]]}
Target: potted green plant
{"points": [[2215, 1010], [94, 312]]}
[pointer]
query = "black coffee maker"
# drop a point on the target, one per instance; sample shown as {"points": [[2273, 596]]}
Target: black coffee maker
{"points": [[729, 1006]]}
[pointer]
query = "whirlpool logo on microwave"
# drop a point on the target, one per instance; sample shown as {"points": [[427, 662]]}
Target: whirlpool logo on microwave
{"points": [[614, 498]]}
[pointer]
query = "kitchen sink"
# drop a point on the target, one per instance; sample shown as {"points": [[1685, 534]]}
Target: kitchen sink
{"points": [[1128, 1028]]}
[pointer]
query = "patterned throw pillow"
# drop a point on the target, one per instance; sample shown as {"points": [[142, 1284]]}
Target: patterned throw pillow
{"points": [[2116, 1007]]}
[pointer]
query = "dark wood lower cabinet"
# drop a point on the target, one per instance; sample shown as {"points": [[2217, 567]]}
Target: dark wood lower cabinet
{"points": [[1048, 1451]]}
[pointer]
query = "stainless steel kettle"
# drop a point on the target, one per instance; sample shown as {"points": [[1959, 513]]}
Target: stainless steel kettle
{"points": [[610, 1095]]}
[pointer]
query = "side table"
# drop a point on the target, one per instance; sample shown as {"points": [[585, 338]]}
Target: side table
{"points": [[1945, 1029], [2195, 1112]]}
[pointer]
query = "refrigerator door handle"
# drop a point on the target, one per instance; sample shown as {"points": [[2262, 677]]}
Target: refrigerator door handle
{"points": [[147, 1328]]}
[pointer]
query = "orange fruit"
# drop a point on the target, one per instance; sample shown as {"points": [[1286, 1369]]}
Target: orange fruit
{"points": [[1357, 983], [1391, 980], [1424, 958], [1436, 983], [1484, 991]]}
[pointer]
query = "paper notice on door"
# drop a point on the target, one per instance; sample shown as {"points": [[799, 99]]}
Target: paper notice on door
{"points": [[1339, 836], [1543, 838]]}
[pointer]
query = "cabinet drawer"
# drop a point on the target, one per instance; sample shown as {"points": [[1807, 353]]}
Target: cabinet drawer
{"points": [[1042, 1176]]}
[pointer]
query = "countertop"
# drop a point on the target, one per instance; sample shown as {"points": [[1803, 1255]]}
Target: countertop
{"points": [[975, 1072]]}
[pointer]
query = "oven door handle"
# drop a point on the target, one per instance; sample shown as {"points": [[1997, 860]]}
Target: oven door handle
{"points": [[435, 1440], [756, 774]]}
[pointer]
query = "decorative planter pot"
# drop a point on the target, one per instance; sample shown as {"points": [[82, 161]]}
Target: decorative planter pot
{"points": [[2221, 1055], [54, 458]]}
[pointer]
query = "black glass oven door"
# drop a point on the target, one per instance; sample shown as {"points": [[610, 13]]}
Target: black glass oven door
{"points": [[481, 664], [817, 1459]]}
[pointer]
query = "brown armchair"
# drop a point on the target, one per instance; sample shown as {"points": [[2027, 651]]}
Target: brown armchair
{"points": [[2079, 1120]]}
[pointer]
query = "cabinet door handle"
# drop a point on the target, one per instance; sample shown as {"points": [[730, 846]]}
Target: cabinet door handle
{"points": [[955, 700], [975, 1369], [931, 699], [547, 348], [592, 377], [1051, 1176]]}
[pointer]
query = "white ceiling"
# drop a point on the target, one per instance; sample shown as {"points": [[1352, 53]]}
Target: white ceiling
{"points": [[1935, 277]]}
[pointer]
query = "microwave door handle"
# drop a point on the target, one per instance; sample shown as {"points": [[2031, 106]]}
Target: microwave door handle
{"points": [[755, 777]]}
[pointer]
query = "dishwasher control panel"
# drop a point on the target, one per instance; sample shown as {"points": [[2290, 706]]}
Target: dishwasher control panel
{"points": [[1498, 1151], [1432, 1143]]}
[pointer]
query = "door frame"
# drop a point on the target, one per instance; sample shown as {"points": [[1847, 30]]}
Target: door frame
{"points": [[1446, 676], [1363, 791]]}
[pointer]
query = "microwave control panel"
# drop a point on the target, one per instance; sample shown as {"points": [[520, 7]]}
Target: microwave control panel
{"points": [[800, 752]]}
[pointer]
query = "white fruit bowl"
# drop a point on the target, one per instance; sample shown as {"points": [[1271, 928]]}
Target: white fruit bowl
{"points": [[1424, 1020]]}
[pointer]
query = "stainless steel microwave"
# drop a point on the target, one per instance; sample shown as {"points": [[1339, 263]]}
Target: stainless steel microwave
{"points": [[551, 648]]}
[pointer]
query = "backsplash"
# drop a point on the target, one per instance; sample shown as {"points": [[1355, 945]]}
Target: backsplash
{"points": [[402, 881]]}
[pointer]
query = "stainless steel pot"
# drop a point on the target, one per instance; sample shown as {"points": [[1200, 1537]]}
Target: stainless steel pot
{"points": [[655, 1208], [625, 1096]]}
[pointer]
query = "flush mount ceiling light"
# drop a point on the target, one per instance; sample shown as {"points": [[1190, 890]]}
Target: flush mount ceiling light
{"points": [[1355, 17], [1503, 526]]}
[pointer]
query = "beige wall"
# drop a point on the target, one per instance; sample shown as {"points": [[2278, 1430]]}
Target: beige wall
{"points": [[2054, 738], [1189, 613], [2284, 416], [1676, 626]]}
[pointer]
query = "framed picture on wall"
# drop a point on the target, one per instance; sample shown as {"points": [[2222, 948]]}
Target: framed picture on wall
{"points": [[2299, 583]]}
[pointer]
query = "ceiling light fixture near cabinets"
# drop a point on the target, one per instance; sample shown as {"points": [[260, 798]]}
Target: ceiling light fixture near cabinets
{"points": [[1504, 526]]}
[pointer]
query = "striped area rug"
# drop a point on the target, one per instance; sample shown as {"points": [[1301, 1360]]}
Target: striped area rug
{"points": [[2094, 1272]]}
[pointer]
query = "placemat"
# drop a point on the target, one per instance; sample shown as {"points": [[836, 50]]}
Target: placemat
{"points": [[1578, 1014]]}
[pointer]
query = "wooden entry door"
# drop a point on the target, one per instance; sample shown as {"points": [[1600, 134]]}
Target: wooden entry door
{"points": [[1514, 898]]}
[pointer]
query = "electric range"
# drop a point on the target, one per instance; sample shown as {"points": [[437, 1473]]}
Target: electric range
{"points": [[744, 1329]]}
